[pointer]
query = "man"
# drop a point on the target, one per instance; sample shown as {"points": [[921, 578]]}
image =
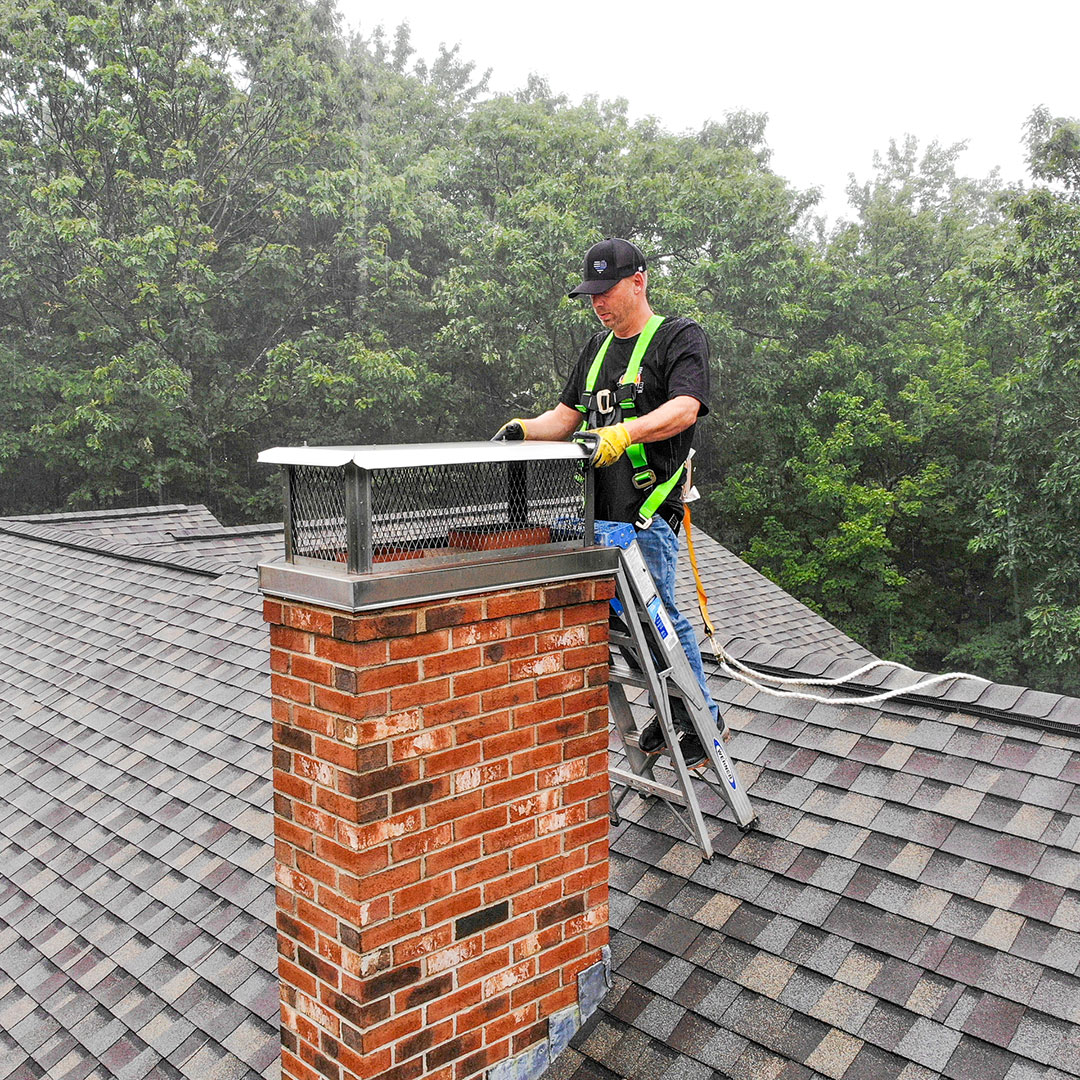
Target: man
{"points": [[639, 388]]}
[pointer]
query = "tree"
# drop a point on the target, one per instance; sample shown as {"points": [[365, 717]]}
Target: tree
{"points": [[1030, 512]]}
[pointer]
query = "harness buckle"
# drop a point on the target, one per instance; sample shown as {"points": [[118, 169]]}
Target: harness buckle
{"points": [[646, 478], [643, 522], [604, 402]]}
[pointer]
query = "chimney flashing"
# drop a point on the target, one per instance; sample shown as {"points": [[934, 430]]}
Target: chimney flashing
{"points": [[331, 585]]}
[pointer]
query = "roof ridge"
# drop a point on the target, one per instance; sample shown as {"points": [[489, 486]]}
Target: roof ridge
{"points": [[224, 531], [105, 515], [192, 564]]}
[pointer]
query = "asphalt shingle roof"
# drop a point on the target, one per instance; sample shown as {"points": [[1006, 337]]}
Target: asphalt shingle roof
{"points": [[136, 907], [908, 907]]}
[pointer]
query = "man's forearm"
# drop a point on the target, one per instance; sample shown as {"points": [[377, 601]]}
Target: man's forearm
{"points": [[554, 424], [671, 418]]}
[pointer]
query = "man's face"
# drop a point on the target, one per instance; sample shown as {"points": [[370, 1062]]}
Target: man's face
{"points": [[616, 307]]}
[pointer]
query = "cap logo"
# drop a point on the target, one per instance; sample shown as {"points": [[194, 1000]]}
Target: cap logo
{"points": [[600, 265]]}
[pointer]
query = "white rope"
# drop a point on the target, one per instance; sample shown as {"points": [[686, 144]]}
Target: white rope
{"points": [[757, 679]]}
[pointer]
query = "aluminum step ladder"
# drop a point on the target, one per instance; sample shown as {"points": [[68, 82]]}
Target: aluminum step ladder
{"points": [[646, 654]]}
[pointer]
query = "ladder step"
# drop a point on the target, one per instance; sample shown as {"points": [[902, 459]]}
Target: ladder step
{"points": [[649, 787]]}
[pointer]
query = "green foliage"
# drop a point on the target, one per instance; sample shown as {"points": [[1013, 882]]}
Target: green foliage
{"points": [[226, 224]]}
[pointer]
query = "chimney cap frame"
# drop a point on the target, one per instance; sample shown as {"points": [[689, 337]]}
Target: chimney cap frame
{"points": [[375, 526]]}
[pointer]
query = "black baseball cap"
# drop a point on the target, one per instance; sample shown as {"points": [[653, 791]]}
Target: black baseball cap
{"points": [[606, 264]]}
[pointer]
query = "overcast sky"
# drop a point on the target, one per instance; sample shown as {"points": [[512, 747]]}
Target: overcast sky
{"points": [[837, 78]]}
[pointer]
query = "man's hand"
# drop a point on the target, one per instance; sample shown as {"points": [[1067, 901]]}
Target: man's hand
{"points": [[511, 431], [611, 444]]}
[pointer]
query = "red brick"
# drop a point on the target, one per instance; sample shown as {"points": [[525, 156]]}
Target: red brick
{"points": [[295, 930], [356, 811], [475, 681], [420, 693], [510, 837], [313, 720], [305, 618], [452, 710], [514, 603], [594, 698], [480, 727], [293, 689], [429, 941], [583, 790], [557, 685], [454, 1003], [562, 865], [507, 697], [525, 1032], [531, 666], [539, 897], [509, 791], [280, 662], [387, 675], [538, 713], [450, 809], [272, 610], [566, 727], [538, 758], [422, 893], [510, 649], [483, 822], [317, 869], [450, 1051], [393, 1030], [350, 653], [481, 1014], [485, 964], [460, 757], [572, 592], [316, 671], [483, 870], [511, 930], [534, 623], [291, 975], [510, 885], [370, 627], [422, 794], [585, 613], [457, 614], [395, 932], [456, 855], [354, 706], [295, 787], [424, 742], [479, 633], [536, 853], [509, 742], [291, 834], [586, 657], [563, 641], [585, 834], [448, 663], [428, 644], [453, 906]]}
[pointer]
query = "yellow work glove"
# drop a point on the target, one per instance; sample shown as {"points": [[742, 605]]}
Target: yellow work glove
{"points": [[511, 431], [611, 445]]}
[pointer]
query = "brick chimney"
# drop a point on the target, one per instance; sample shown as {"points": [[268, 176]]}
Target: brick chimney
{"points": [[441, 818]]}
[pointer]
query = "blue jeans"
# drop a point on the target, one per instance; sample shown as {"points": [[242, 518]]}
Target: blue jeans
{"points": [[660, 550]]}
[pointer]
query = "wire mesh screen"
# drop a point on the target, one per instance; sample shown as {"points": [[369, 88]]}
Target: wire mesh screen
{"points": [[318, 513], [437, 511]]}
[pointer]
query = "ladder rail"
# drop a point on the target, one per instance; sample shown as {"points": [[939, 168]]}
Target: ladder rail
{"points": [[656, 662]]}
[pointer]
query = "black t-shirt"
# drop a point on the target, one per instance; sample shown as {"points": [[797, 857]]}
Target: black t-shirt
{"points": [[676, 363]]}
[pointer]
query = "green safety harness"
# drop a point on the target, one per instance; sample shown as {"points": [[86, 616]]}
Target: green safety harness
{"points": [[625, 397]]}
